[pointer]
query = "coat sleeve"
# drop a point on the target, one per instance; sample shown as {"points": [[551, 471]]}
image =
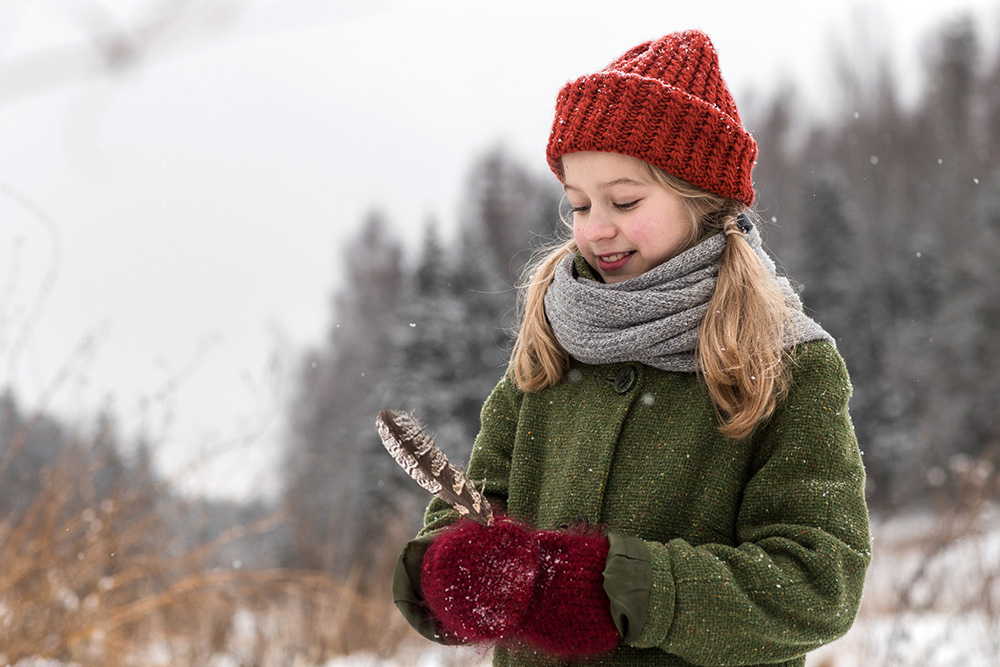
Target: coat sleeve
{"points": [[489, 469], [793, 581]]}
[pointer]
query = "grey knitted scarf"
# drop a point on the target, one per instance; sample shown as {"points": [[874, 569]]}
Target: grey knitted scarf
{"points": [[654, 317]]}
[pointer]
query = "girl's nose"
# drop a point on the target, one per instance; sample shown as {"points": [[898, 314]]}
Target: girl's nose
{"points": [[598, 227]]}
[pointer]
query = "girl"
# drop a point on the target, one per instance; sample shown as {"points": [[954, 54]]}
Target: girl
{"points": [[671, 448]]}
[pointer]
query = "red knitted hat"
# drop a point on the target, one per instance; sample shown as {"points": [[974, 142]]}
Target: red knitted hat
{"points": [[664, 102]]}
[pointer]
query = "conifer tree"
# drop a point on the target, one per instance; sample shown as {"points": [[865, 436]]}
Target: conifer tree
{"points": [[332, 440]]}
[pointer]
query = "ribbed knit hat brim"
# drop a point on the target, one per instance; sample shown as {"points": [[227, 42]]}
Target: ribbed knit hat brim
{"points": [[645, 115]]}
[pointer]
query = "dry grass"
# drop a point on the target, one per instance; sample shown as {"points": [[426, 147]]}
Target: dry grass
{"points": [[91, 574]]}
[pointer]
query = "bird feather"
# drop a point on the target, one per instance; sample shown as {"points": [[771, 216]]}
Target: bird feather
{"points": [[416, 453]]}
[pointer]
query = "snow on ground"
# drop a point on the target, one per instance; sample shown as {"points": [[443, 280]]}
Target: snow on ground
{"points": [[932, 598], [416, 654]]}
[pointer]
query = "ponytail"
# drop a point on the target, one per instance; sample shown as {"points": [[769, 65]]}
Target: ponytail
{"points": [[740, 341]]}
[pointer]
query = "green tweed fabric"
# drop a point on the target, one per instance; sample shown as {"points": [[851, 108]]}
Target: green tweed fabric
{"points": [[758, 548]]}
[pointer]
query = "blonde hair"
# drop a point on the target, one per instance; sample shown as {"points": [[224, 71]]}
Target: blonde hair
{"points": [[740, 341]]}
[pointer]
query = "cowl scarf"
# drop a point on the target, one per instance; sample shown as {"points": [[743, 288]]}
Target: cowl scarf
{"points": [[654, 318]]}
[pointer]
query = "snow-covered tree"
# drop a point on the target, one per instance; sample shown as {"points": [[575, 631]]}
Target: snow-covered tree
{"points": [[326, 485]]}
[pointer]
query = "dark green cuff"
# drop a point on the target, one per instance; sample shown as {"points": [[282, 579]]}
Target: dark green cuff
{"points": [[406, 592], [628, 581]]}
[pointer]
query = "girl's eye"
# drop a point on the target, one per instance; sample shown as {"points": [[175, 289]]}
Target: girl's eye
{"points": [[627, 205], [580, 209]]}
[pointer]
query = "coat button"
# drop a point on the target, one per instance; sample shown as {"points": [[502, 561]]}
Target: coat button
{"points": [[626, 380]]}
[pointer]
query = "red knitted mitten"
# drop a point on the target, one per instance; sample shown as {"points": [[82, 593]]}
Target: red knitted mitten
{"points": [[570, 615], [479, 581]]}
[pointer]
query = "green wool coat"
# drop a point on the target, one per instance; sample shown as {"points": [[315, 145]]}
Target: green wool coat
{"points": [[722, 552]]}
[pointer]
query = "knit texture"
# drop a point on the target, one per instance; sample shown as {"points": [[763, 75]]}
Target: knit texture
{"points": [[666, 103], [571, 614], [480, 581], [542, 589], [758, 548], [654, 317]]}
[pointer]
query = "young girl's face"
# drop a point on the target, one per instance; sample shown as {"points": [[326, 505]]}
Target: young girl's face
{"points": [[623, 221]]}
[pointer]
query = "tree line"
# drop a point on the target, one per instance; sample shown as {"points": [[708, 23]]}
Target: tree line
{"points": [[886, 214]]}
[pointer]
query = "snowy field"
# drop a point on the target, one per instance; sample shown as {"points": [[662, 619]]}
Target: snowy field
{"points": [[932, 599], [932, 596]]}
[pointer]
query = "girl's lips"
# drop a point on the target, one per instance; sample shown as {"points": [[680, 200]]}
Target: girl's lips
{"points": [[614, 261]]}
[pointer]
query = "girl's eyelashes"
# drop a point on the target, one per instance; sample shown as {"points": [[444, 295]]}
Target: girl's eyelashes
{"points": [[625, 206]]}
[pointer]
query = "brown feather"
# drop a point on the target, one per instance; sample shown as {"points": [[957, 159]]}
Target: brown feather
{"points": [[417, 454]]}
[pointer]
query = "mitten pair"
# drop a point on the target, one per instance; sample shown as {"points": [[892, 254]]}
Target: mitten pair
{"points": [[511, 583]]}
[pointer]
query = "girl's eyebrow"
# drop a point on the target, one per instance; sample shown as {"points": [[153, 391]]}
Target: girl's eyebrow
{"points": [[609, 184]]}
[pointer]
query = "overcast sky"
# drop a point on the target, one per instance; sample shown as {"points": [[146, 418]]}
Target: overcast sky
{"points": [[170, 235]]}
